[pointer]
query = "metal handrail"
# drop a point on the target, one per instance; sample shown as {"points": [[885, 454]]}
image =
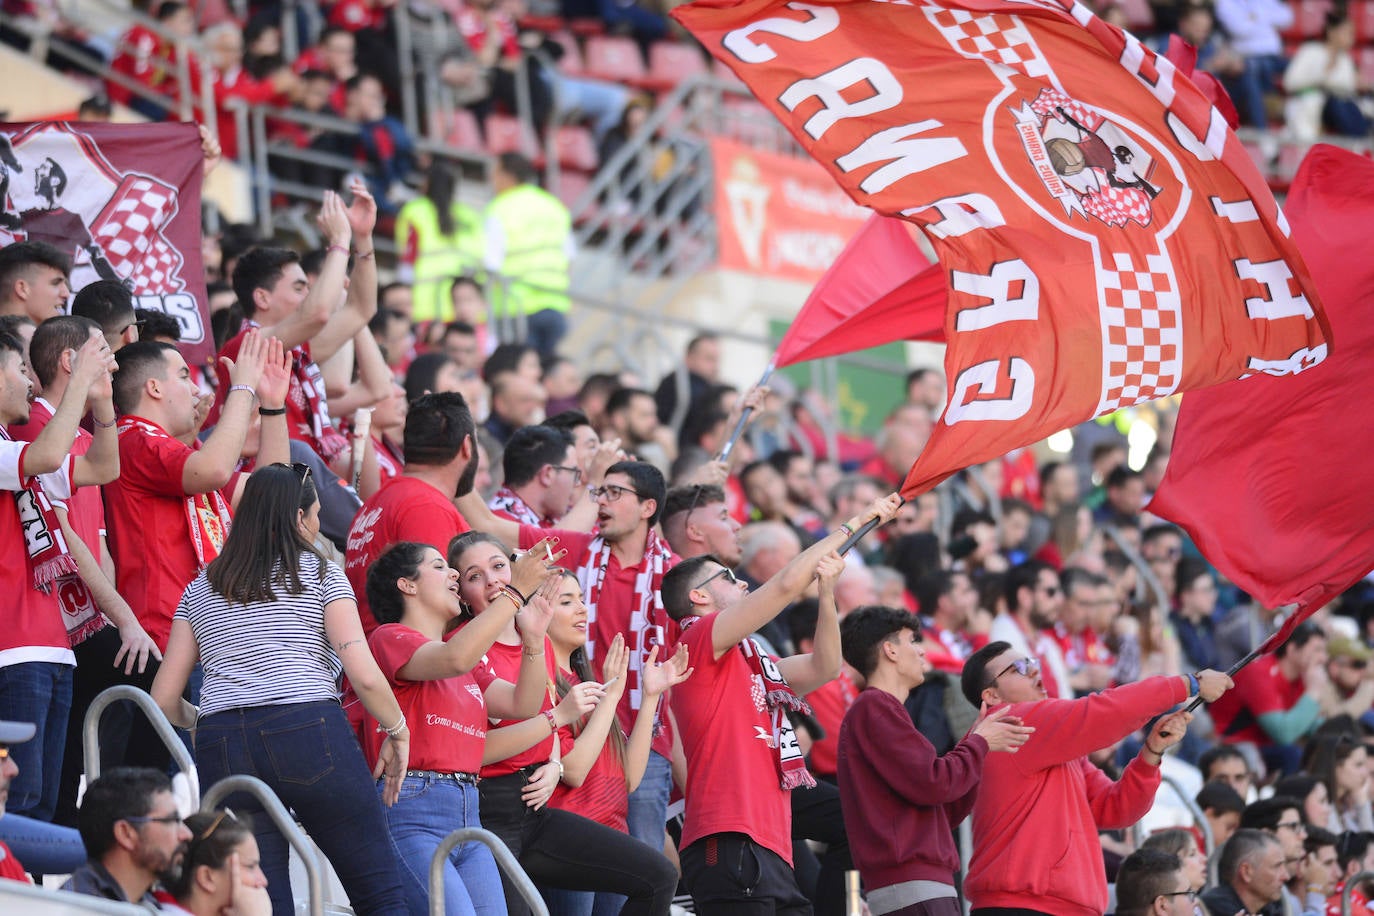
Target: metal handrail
{"points": [[37, 899], [505, 860], [314, 874], [1349, 889], [90, 737]]}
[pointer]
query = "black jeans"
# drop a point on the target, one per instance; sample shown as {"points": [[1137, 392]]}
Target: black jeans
{"points": [[728, 873], [816, 816], [564, 850]]}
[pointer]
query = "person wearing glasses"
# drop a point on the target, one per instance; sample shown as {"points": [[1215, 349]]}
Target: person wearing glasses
{"points": [[1035, 599], [743, 759], [621, 568], [221, 874], [133, 834], [1151, 882], [1252, 870], [1281, 817], [274, 624], [542, 482], [1038, 812]]}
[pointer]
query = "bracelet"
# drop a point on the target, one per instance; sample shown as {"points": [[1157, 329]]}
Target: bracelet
{"points": [[271, 411], [1159, 754], [513, 595], [363, 256], [848, 531], [511, 588], [395, 730], [247, 388], [529, 654], [111, 425], [1194, 686], [338, 248], [561, 771], [553, 723]]}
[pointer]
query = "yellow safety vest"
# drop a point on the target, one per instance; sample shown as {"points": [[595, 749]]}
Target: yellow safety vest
{"points": [[439, 258], [536, 228]]}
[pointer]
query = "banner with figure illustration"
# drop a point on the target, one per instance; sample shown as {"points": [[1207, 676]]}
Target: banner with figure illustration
{"points": [[779, 216], [123, 202], [1105, 238]]}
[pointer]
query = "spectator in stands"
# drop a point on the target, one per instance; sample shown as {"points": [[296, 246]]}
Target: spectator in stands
{"points": [[516, 402], [542, 481], [156, 326], [1161, 546], [1125, 498], [1222, 806], [1051, 777], [111, 306], [1280, 817], [736, 840], [530, 245], [439, 238], [926, 386], [432, 373], [799, 488], [1353, 856], [276, 296], [556, 847], [36, 659], [900, 441], [631, 417], [561, 380], [1151, 882], [148, 58], [1225, 763], [1034, 598], [1350, 689], [697, 521], [901, 799], [384, 147], [1183, 843], [948, 603], [222, 869], [1254, 29], [1085, 653], [645, 24], [1252, 872], [11, 734], [171, 506], [440, 450], [274, 624], [1341, 763], [34, 280], [701, 366], [133, 834], [1194, 620], [96, 108], [1277, 699], [1323, 85], [234, 84]]}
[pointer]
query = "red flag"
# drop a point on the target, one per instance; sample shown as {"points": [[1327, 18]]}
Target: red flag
{"points": [[1107, 239], [1272, 477], [881, 288], [123, 201]]}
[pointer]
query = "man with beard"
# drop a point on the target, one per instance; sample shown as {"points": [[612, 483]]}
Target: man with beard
{"points": [[134, 837], [440, 446], [1034, 597]]}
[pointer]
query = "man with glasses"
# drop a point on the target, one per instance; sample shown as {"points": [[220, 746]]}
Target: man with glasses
{"points": [[1281, 817], [1151, 882], [133, 834], [542, 481], [1350, 687], [1034, 599], [1252, 872], [1038, 812]]}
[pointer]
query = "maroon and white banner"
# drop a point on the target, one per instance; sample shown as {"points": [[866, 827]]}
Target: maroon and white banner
{"points": [[123, 201]]}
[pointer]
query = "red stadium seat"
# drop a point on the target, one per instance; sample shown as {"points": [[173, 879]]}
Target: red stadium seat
{"points": [[615, 59], [460, 129], [571, 64], [576, 149], [671, 62], [506, 134], [1364, 60], [1309, 16]]}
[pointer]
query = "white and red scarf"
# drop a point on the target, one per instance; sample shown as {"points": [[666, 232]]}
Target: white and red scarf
{"points": [[49, 559], [512, 504], [207, 514], [770, 691]]}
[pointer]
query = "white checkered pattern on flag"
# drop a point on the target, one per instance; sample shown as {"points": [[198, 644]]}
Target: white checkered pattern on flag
{"points": [[998, 39], [129, 230], [1143, 332]]}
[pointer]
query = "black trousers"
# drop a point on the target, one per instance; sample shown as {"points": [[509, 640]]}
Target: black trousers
{"points": [[728, 873], [565, 850], [816, 816]]}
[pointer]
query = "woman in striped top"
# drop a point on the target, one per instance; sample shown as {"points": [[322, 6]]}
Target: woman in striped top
{"points": [[273, 623], [556, 848]]}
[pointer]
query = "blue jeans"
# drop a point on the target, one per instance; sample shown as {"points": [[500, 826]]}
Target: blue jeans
{"points": [[43, 849], [1258, 78], [602, 102], [649, 803], [428, 810], [308, 756], [41, 693], [581, 903]]}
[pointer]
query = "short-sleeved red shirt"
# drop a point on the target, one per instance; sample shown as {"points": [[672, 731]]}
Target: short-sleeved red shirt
{"points": [[406, 509], [1260, 688], [447, 717], [33, 629], [503, 662], [733, 784], [603, 796]]}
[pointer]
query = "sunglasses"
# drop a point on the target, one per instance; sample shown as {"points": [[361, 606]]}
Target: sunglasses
{"points": [[612, 492], [725, 571], [1026, 667]]}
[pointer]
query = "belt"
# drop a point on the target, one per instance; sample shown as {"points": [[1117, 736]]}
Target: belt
{"points": [[470, 778], [907, 893]]}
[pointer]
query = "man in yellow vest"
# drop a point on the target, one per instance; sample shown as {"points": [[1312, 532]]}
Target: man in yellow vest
{"points": [[530, 247]]}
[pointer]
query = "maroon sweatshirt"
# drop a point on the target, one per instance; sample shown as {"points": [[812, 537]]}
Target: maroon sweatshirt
{"points": [[900, 799]]}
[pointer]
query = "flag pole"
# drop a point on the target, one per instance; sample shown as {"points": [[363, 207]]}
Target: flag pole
{"points": [[858, 536], [1234, 669], [744, 417]]}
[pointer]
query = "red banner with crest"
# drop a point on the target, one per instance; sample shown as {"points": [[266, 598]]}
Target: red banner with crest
{"points": [[123, 202], [1105, 238]]}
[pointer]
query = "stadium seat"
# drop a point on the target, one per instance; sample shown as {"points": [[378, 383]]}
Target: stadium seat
{"points": [[1308, 18], [506, 134], [571, 63], [576, 149], [570, 187], [1362, 14], [721, 71], [587, 27], [460, 129], [671, 62], [615, 59], [1364, 61]]}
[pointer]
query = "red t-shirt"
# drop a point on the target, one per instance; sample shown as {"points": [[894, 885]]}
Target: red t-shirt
{"points": [[503, 662], [732, 771], [86, 514], [1359, 903], [1260, 688], [10, 867], [829, 703], [1082, 648], [447, 717], [149, 526], [32, 630], [299, 424], [603, 796], [406, 509], [615, 613]]}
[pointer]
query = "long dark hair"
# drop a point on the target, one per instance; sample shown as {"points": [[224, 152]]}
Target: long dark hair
{"points": [[581, 667], [264, 546], [458, 546], [214, 837], [400, 561]]}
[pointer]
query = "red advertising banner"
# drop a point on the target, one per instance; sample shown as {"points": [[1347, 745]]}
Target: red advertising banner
{"points": [[779, 216], [123, 201], [1106, 238]]}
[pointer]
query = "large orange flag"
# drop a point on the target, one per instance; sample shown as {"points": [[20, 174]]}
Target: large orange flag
{"points": [[1105, 237]]}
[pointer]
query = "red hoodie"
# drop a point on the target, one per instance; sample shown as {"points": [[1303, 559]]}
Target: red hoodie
{"points": [[1038, 811]]}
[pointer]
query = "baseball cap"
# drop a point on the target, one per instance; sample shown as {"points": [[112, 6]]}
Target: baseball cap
{"points": [[1345, 647], [16, 732]]}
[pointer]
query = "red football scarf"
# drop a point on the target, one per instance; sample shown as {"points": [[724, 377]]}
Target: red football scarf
{"points": [[508, 501], [207, 514], [47, 547]]}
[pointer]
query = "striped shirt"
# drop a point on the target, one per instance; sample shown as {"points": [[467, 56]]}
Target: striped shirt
{"points": [[266, 653]]}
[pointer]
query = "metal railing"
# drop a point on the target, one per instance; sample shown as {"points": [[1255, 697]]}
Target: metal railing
{"points": [[18, 897], [505, 860], [90, 736]]}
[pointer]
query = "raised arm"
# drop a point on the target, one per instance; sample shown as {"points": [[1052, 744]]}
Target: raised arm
{"points": [[50, 448], [210, 467], [758, 607], [804, 673], [361, 303], [100, 464], [323, 299], [656, 678]]}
